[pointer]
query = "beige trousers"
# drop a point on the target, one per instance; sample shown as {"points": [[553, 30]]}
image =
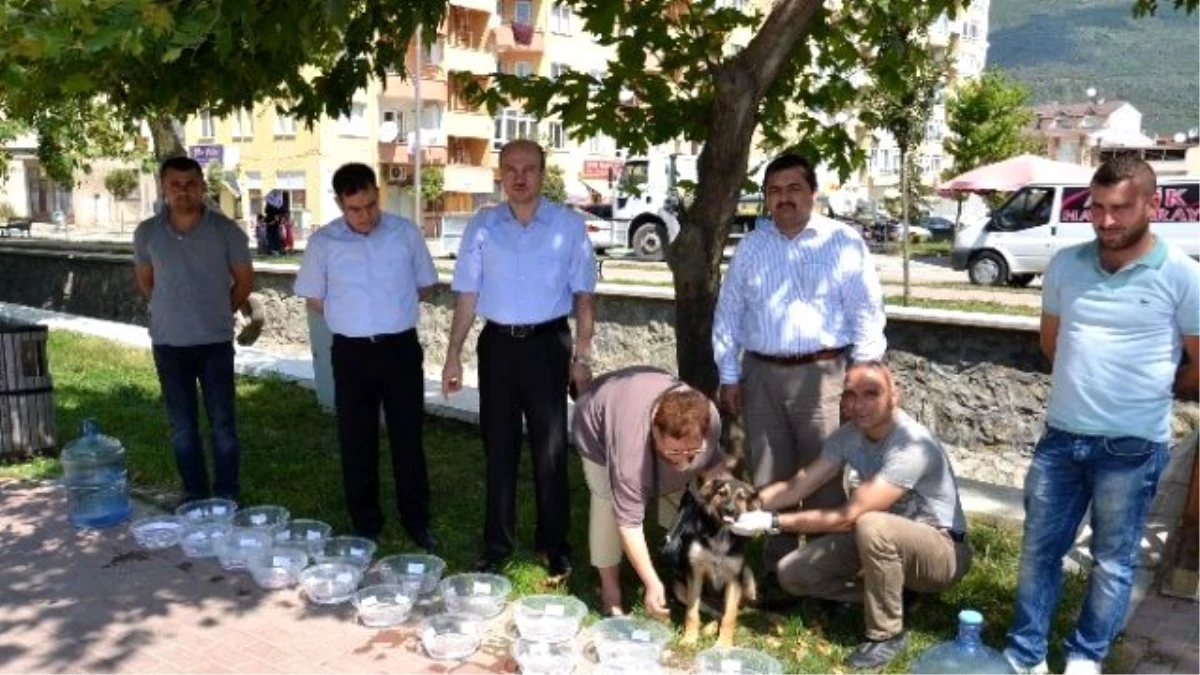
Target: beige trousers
{"points": [[873, 564], [789, 412], [604, 535]]}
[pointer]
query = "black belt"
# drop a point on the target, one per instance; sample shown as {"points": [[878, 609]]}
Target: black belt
{"points": [[521, 331], [800, 359], [376, 339]]}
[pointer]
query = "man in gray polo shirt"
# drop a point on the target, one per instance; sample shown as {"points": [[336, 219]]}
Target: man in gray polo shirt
{"points": [[194, 266]]}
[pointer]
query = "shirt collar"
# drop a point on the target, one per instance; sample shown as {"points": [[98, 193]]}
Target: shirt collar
{"points": [[542, 213], [1152, 259]]}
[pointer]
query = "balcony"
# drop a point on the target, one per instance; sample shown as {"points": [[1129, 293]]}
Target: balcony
{"points": [[399, 92], [488, 6], [462, 58], [468, 178], [465, 124], [525, 40]]}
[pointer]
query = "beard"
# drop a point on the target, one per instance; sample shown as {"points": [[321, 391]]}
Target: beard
{"points": [[1128, 237]]}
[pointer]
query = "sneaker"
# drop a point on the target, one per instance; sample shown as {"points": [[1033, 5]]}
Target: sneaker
{"points": [[874, 654], [1081, 667], [1039, 669]]}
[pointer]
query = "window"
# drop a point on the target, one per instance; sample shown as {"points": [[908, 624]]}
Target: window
{"points": [[523, 12], [557, 140], [254, 188], [208, 129], [292, 184], [523, 68], [512, 124], [400, 119], [433, 55], [285, 125], [560, 19], [243, 124], [557, 69], [354, 124], [1028, 208], [601, 145]]}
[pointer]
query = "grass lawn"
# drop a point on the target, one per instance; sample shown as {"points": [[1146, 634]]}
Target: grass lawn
{"points": [[290, 458], [982, 306]]}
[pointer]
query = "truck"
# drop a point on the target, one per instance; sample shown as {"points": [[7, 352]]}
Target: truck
{"points": [[647, 198]]}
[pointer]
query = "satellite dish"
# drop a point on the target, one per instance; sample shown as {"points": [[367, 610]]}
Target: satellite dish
{"points": [[1179, 137], [388, 131], [1091, 92], [1194, 132]]}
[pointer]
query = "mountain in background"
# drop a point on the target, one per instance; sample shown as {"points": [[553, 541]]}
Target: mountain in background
{"points": [[1059, 48]]}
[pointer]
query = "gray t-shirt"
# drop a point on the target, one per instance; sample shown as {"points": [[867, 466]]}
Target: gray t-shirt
{"points": [[189, 304], [612, 428], [911, 458]]}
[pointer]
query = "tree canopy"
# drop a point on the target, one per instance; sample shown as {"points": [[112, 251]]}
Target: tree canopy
{"points": [[988, 121]]}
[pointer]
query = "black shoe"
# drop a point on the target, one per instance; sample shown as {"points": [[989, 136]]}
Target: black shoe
{"points": [[872, 654], [559, 566], [426, 540], [489, 564]]}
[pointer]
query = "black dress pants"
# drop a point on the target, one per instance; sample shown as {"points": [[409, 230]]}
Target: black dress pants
{"points": [[368, 372], [525, 379]]}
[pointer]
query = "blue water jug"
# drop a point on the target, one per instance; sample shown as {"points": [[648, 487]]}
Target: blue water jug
{"points": [[965, 654], [96, 478]]}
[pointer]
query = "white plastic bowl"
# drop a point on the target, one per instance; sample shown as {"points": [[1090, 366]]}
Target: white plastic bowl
{"points": [[157, 532], [330, 583], [279, 567], [199, 538], [624, 639], [451, 636], [268, 517], [544, 658], [548, 618], [206, 510], [356, 551], [481, 595], [305, 533], [737, 660], [412, 569], [239, 545], [382, 605]]}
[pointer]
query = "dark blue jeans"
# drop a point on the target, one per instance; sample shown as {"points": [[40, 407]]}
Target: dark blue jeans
{"points": [[179, 369], [1117, 477]]}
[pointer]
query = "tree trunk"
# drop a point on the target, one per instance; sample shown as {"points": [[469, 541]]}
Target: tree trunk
{"points": [[167, 136], [695, 255]]}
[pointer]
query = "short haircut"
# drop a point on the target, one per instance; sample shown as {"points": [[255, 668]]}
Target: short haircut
{"points": [[683, 412], [180, 163], [1126, 167], [791, 161], [352, 178], [877, 365], [528, 145]]}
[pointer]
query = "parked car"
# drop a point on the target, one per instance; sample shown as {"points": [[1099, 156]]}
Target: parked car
{"points": [[604, 233], [942, 229], [889, 230]]}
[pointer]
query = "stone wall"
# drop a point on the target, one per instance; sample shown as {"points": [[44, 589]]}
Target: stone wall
{"points": [[980, 385]]}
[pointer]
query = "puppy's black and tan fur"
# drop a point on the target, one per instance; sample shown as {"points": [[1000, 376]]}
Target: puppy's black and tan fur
{"points": [[711, 553]]}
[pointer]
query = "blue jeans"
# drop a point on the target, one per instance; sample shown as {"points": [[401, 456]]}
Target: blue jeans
{"points": [[179, 368], [1117, 477]]}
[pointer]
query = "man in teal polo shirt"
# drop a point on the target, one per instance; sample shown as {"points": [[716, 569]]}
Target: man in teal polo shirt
{"points": [[1117, 314]]}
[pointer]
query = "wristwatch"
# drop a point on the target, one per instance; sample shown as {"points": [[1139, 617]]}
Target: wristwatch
{"points": [[774, 523]]}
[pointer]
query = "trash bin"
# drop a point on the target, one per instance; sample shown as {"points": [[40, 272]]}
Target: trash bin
{"points": [[27, 425], [321, 340]]}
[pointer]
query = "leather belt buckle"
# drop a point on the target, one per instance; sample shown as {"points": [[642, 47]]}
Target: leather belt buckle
{"points": [[521, 331]]}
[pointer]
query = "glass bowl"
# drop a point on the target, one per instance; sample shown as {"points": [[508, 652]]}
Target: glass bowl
{"points": [[239, 544], [549, 618], [412, 569], [205, 510], [356, 551], [628, 666], [279, 567], [622, 639], [383, 605], [481, 595], [157, 532], [737, 660], [451, 636], [269, 518], [200, 537], [304, 533], [543, 658], [330, 583]]}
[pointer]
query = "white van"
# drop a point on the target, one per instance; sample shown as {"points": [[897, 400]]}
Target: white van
{"points": [[1015, 242]]}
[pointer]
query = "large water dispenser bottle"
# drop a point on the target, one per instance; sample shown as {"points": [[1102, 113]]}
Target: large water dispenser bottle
{"points": [[965, 654], [96, 478]]}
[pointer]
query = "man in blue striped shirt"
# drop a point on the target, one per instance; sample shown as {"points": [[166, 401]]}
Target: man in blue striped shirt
{"points": [[523, 266], [800, 298]]}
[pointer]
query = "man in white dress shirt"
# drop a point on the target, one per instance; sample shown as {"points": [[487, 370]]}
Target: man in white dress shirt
{"points": [[801, 298], [366, 273], [523, 266]]}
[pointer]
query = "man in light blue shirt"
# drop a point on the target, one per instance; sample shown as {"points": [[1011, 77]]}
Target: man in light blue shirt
{"points": [[366, 272], [1117, 314], [523, 266]]}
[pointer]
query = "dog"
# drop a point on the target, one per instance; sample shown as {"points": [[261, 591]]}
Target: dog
{"points": [[709, 553]]}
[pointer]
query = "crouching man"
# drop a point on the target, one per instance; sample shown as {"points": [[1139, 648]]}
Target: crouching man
{"points": [[903, 526]]}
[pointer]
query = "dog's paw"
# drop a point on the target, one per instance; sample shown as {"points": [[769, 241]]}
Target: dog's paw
{"points": [[710, 629], [725, 641], [691, 635]]}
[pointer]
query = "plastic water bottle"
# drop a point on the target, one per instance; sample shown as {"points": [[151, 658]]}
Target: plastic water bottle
{"points": [[96, 478], [965, 654]]}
